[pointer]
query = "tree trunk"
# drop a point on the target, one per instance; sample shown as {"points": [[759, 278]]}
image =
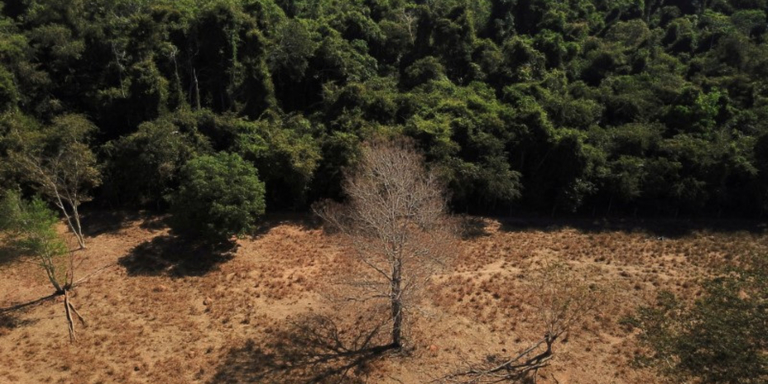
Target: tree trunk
{"points": [[119, 70], [197, 89], [75, 230], [79, 232], [397, 305], [610, 205], [179, 89]]}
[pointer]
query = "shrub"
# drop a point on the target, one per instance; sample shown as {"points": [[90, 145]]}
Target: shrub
{"points": [[31, 229], [219, 196]]}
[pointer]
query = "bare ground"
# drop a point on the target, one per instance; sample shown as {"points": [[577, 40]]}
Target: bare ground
{"points": [[158, 314]]}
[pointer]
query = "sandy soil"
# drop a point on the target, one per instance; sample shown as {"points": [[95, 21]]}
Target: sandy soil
{"points": [[154, 316]]}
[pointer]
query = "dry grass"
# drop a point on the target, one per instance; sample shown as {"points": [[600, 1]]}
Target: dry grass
{"points": [[169, 328]]}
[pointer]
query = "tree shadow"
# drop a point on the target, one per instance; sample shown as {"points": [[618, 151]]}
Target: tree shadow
{"points": [[175, 255], [9, 322], [661, 228], [311, 349]]}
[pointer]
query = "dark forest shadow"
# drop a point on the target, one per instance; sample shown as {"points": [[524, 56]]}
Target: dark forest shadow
{"points": [[176, 256], [99, 222], [662, 228], [154, 222], [310, 349], [472, 227], [305, 220]]}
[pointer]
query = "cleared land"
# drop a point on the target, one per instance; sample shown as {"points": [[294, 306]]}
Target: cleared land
{"points": [[155, 317]]}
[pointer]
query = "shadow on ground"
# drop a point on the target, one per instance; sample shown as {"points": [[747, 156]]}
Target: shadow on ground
{"points": [[99, 222], [9, 322], [178, 255], [9, 254], [175, 256], [472, 227], [271, 220], [662, 228], [310, 349]]}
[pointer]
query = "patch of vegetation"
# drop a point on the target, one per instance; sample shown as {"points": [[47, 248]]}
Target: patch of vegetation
{"points": [[219, 196]]}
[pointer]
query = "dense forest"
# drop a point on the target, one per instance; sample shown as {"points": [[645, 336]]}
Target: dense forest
{"points": [[653, 108]]}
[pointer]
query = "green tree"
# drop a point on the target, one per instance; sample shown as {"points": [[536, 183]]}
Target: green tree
{"points": [[59, 163], [286, 152], [32, 227], [143, 167], [219, 196]]}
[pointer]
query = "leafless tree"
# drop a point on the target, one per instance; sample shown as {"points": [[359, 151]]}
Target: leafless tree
{"points": [[396, 221]]}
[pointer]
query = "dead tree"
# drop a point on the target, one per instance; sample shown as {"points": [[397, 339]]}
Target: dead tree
{"points": [[396, 221]]}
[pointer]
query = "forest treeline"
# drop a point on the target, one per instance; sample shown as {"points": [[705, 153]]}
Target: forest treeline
{"points": [[654, 107]]}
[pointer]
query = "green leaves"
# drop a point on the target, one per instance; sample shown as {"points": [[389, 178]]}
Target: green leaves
{"points": [[293, 47], [32, 228], [143, 167], [219, 196], [497, 92], [287, 153]]}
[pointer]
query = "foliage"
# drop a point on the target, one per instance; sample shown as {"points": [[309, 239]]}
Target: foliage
{"points": [[721, 338], [144, 166], [288, 154], [32, 228], [586, 105], [59, 163], [219, 196]]}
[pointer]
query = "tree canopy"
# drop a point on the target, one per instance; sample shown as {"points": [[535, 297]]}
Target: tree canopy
{"points": [[654, 107], [219, 196]]}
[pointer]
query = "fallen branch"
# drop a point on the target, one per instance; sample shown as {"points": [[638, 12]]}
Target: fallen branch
{"points": [[509, 371]]}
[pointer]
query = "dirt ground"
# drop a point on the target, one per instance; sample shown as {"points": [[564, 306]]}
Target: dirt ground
{"points": [[161, 311]]}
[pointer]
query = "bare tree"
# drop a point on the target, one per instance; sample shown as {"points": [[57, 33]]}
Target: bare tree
{"points": [[64, 169], [395, 219], [561, 300]]}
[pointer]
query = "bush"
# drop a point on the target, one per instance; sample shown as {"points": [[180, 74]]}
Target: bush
{"points": [[30, 227], [219, 196]]}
